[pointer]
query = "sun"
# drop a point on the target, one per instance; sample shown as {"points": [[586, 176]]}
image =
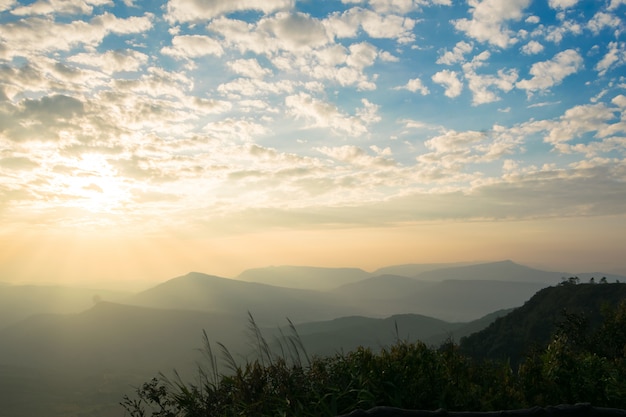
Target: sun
{"points": [[94, 185]]}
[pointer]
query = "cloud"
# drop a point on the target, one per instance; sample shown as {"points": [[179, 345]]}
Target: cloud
{"points": [[615, 4], [6, 4], [193, 46], [43, 7], [346, 25], [456, 55], [614, 57], [603, 20], [110, 62], [36, 34], [450, 81], [199, 10], [488, 23], [546, 74], [556, 33], [325, 115], [248, 68], [562, 4], [415, 85], [532, 48], [354, 155], [580, 120]]}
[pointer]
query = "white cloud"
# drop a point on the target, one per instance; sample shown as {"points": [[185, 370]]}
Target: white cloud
{"points": [[113, 61], [457, 53], [615, 4], [356, 156], [323, 114], [295, 31], [388, 57], [248, 68], [603, 20], [253, 87], [192, 46], [532, 48], [532, 19], [481, 85], [549, 73], [415, 85], [449, 79], [346, 24], [6, 4], [361, 55], [556, 33], [43, 7], [489, 17], [36, 34], [198, 10], [579, 120], [562, 4], [615, 56]]}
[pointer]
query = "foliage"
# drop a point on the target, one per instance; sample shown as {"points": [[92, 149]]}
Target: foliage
{"points": [[578, 365]]}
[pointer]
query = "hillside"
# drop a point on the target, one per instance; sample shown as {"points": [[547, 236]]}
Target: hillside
{"points": [[347, 333], [303, 277], [494, 271], [533, 323], [269, 304]]}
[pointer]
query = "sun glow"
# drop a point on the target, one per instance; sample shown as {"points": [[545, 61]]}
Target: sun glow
{"points": [[94, 185]]}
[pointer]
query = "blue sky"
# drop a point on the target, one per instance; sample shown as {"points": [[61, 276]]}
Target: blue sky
{"points": [[206, 122]]}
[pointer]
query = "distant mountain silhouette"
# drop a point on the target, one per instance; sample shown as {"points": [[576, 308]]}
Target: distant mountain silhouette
{"points": [[412, 270], [494, 271], [533, 323], [304, 277], [450, 300], [382, 287], [268, 304]]}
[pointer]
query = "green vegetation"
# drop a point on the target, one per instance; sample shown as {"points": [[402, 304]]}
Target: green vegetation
{"points": [[581, 363]]}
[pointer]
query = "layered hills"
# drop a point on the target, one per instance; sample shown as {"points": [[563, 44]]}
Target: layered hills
{"points": [[93, 341]]}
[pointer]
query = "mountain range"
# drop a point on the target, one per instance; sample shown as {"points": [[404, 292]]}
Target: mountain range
{"points": [[97, 343]]}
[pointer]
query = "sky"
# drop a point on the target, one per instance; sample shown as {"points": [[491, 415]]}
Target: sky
{"points": [[141, 140]]}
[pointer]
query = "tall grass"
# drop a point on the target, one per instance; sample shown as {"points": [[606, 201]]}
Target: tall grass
{"points": [[286, 381]]}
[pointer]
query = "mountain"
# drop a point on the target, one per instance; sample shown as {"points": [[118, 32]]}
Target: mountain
{"points": [[347, 333], [18, 302], [412, 270], [451, 300], [268, 304], [533, 323], [304, 277], [494, 271], [381, 287]]}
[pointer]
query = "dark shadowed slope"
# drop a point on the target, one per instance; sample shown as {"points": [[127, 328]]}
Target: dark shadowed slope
{"points": [[269, 304], [347, 333], [494, 271], [533, 323], [304, 277]]}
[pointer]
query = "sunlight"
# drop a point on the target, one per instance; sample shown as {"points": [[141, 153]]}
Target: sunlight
{"points": [[95, 185]]}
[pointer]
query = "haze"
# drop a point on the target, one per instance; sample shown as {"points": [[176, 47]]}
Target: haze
{"points": [[140, 140]]}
